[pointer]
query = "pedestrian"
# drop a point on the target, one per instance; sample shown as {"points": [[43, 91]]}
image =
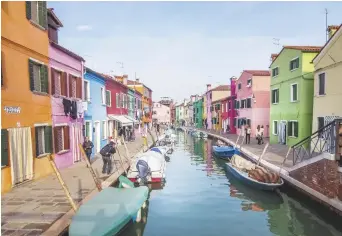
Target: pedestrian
{"points": [[106, 153], [158, 129], [262, 134], [258, 134], [88, 147], [248, 134]]}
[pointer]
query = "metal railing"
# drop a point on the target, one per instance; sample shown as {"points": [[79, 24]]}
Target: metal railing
{"points": [[324, 140]]}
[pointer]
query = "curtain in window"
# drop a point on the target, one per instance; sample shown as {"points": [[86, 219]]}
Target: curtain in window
{"points": [[21, 156]]}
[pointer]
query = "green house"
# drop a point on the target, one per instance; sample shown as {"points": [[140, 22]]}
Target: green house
{"points": [[291, 95], [198, 105]]}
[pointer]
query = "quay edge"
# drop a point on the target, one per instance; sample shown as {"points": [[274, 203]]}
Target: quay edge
{"points": [[61, 225], [333, 204]]}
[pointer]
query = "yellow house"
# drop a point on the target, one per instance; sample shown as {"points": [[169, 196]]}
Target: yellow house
{"points": [[328, 81]]}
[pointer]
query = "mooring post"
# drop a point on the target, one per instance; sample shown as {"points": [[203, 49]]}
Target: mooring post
{"points": [[263, 153]]}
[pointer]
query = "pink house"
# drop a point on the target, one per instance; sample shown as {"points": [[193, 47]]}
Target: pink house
{"points": [[66, 78], [253, 100]]}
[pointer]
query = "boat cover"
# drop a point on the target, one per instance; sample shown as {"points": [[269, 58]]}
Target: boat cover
{"points": [[154, 160], [156, 150], [223, 148], [241, 163], [108, 212]]}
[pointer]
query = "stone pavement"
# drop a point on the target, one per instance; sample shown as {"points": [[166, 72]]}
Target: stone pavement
{"points": [[32, 208]]}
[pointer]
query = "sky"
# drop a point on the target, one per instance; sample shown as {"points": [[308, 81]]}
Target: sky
{"points": [[176, 48]]}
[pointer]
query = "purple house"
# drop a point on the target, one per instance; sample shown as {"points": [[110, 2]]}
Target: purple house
{"points": [[209, 109], [66, 76]]}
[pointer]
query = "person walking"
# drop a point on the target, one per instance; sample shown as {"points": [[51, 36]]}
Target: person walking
{"points": [[258, 134], [88, 147], [248, 134], [262, 134], [158, 129], [106, 153]]}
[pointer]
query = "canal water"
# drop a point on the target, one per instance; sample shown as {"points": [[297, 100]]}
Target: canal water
{"points": [[200, 199]]}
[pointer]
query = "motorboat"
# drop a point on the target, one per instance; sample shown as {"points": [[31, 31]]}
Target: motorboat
{"points": [[225, 152], [148, 167]]}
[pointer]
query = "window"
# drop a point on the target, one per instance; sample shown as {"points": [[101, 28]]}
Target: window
{"points": [[320, 125], [59, 83], [275, 96], [103, 96], [243, 103], [108, 98], [294, 92], [248, 103], [237, 104], [235, 122], [249, 82], [275, 127], [37, 13], [88, 130], [275, 72], [321, 84], [122, 100], [239, 86], [43, 135], [39, 81], [86, 90], [117, 100], [294, 64], [249, 122], [61, 138], [104, 129], [230, 104], [227, 106], [4, 148], [293, 129]]}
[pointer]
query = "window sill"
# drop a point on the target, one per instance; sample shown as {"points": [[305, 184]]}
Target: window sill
{"points": [[40, 93], [275, 134], [3, 167], [293, 137], [295, 101], [274, 103], [273, 77], [294, 69], [320, 95], [37, 25], [62, 152], [43, 155]]}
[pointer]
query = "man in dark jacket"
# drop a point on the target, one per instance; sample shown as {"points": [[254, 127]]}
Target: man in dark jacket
{"points": [[88, 147], [106, 153]]}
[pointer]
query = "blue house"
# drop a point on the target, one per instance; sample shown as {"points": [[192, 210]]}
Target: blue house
{"points": [[95, 117]]}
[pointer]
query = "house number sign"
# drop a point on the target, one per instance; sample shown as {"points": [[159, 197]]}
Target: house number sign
{"points": [[12, 110]]}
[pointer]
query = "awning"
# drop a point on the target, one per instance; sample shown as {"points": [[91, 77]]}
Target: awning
{"points": [[132, 119], [122, 119]]}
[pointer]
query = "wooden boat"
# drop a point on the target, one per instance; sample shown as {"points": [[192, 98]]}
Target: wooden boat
{"points": [[225, 152], [108, 212], [241, 168]]}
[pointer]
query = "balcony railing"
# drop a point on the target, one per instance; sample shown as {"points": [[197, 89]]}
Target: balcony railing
{"points": [[325, 140]]}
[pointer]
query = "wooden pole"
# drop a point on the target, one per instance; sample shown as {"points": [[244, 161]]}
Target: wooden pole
{"points": [[64, 186], [263, 153], [237, 140], [97, 183], [282, 164]]}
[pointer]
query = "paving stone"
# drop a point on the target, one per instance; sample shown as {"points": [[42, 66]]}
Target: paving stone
{"points": [[33, 233], [15, 203], [9, 226], [8, 232], [19, 233], [37, 226]]}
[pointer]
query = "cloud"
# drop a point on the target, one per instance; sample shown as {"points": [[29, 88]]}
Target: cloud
{"points": [[84, 27]]}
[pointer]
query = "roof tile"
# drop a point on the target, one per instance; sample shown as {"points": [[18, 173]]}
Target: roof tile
{"points": [[258, 72], [305, 48]]}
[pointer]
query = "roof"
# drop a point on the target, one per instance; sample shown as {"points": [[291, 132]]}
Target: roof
{"points": [[54, 17], [336, 27], [221, 88], [339, 28], [221, 100], [301, 48], [258, 72], [94, 72], [111, 78], [134, 82], [274, 56], [66, 51]]}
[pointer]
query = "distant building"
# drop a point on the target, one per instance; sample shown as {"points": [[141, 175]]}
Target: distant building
{"points": [[160, 113], [166, 101]]}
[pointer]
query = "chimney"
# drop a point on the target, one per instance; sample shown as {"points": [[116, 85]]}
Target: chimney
{"points": [[208, 87], [332, 29], [137, 80], [273, 56], [233, 86], [124, 79]]}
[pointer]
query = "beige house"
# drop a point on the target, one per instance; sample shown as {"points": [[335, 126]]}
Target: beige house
{"points": [[327, 103], [161, 113]]}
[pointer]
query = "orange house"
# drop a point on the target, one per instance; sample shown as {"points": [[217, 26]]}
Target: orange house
{"points": [[26, 137]]}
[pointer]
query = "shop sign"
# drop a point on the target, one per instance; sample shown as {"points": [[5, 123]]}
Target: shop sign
{"points": [[12, 109]]}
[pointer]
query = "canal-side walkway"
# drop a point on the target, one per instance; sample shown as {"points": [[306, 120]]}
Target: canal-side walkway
{"points": [[42, 206], [321, 179]]}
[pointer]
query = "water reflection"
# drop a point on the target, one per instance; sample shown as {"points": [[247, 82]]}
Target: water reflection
{"points": [[214, 203]]}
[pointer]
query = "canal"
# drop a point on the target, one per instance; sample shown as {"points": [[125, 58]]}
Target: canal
{"points": [[200, 199]]}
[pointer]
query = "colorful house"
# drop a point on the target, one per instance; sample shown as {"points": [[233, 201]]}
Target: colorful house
{"points": [[214, 94], [96, 124], [231, 119], [224, 114], [173, 113], [131, 96], [253, 97], [198, 106], [26, 124], [177, 108], [292, 90], [66, 76], [204, 110], [216, 114], [160, 113]]}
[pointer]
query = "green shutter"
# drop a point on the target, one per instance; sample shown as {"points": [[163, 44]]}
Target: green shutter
{"points": [[42, 14], [36, 140], [31, 75], [28, 10], [48, 139], [108, 98], [4, 147], [295, 129], [44, 79]]}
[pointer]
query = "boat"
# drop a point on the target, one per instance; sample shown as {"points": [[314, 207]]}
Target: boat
{"points": [[203, 135], [225, 152], [109, 211], [253, 175], [161, 149], [148, 167]]}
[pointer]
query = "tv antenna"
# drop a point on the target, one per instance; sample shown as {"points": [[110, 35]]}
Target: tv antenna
{"points": [[276, 41], [326, 25]]}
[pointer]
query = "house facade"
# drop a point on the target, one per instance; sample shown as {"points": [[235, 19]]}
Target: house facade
{"points": [[204, 111], [173, 113], [224, 114], [292, 90], [253, 96], [95, 117], [231, 120], [66, 77], [26, 124], [198, 112], [160, 113], [130, 94]]}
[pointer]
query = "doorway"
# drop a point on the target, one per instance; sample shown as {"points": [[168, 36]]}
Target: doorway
{"points": [[97, 136], [282, 137]]}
